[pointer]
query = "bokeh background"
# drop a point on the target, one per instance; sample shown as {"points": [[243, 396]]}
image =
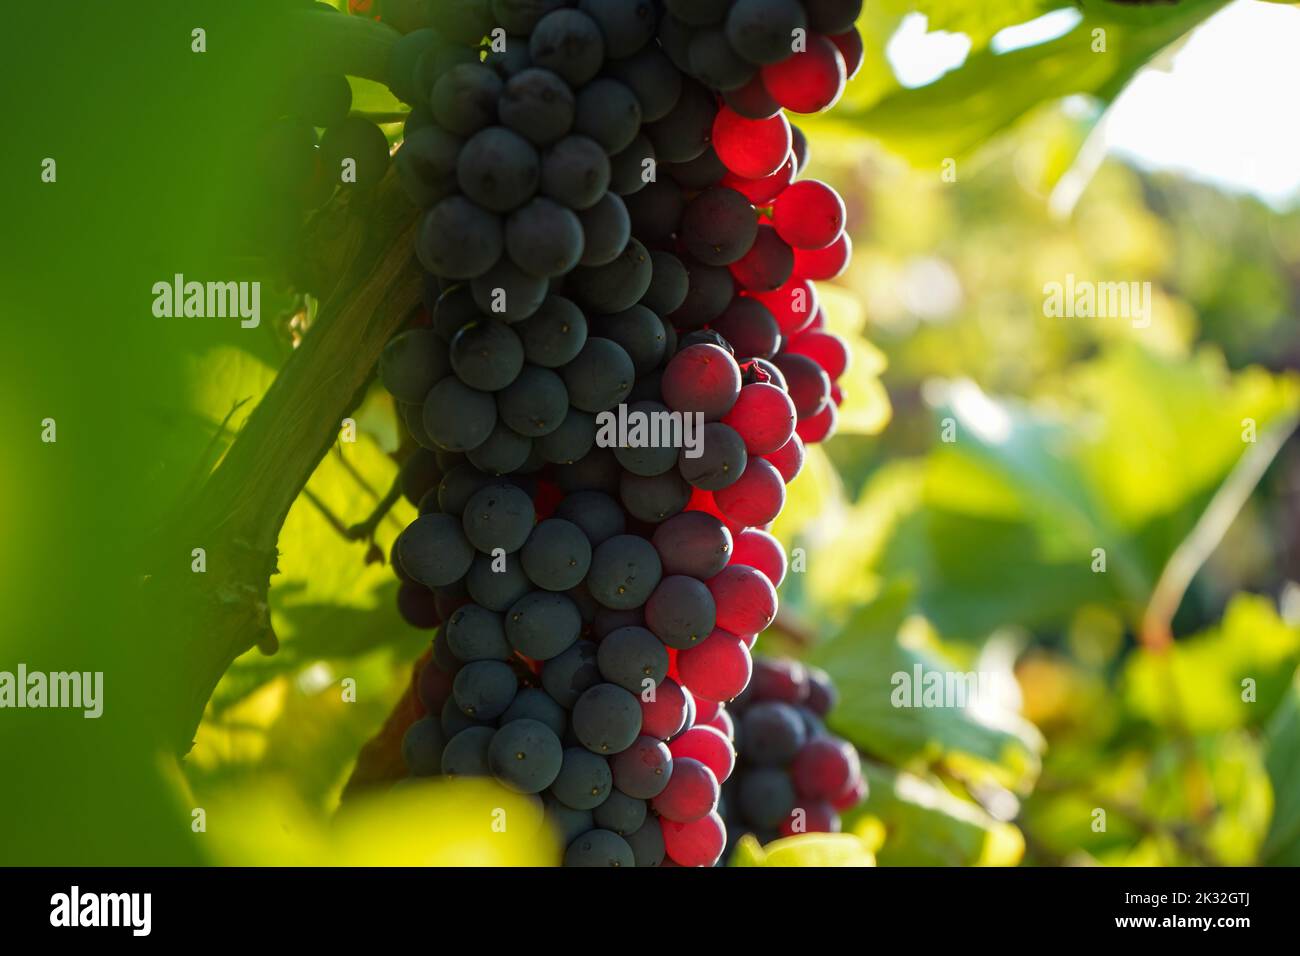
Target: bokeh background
{"points": [[978, 164]]}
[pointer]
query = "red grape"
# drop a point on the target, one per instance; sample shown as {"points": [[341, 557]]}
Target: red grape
{"points": [[692, 792], [746, 602], [850, 46], [807, 382], [817, 816], [810, 81], [825, 768], [756, 497], [709, 746], [827, 350], [664, 716], [705, 711], [762, 191], [701, 378], [823, 264], [750, 329], [767, 265], [748, 147], [764, 416], [788, 459], [793, 305], [820, 427], [760, 550], [721, 722], [698, 843], [853, 796], [809, 215], [717, 668]]}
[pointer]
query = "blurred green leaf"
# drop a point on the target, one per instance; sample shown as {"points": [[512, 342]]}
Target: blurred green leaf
{"points": [[864, 658], [808, 849], [925, 825], [1282, 845], [1196, 685]]}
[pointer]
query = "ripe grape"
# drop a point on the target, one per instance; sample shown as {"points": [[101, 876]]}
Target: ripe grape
{"points": [[422, 746], [765, 797], [598, 470], [607, 719], [474, 633], [767, 266], [793, 305], [698, 843], [640, 333], [599, 848], [620, 813], [653, 78], [416, 604], [459, 239], [827, 350], [773, 733], [693, 543], [626, 25], [524, 755], [762, 30], [568, 822], [849, 44], [535, 403], [809, 80], [709, 746], [809, 215], [647, 843], [752, 100], [554, 334], [499, 515], [568, 42], [749, 328], [709, 291], [760, 550], [722, 461], [433, 550], [597, 514], [655, 498], [486, 355], [717, 668], [538, 105], [464, 99], [713, 61], [609, 113], [542, 625], [576, 172], [764, 416], [686, 131], [702, 378], [807, 383], [571, 441], [821, 692], [412, 363], [820, 426], [832, 16], [625, 570], [484, 689], [718, 226], [751, 148], [824, 264], [643, 769], [600, 376], [788, 459], [426, 164], [615, 286], [498, 169], [556, 555], [633, 167], [745, 598], [532, 703], [544, 239], [584, 780], [568, 675], [466, 753], [825, 768], [632, 656], [521, 16], [762, 191], [664, 716], [509, 292], [691, 793], [458, 485]]}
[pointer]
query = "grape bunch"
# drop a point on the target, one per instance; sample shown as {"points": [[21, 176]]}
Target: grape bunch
{"points": [[611, 224], [792, 776]]}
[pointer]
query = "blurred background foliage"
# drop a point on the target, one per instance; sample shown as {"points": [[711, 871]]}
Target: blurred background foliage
{"points": [[985, 452]]}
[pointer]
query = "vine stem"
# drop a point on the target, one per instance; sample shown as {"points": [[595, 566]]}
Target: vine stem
{"points": [[1213, 524], [237, 512]]}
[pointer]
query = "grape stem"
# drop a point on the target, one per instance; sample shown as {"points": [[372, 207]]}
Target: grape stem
{"points": [[370, 284]]}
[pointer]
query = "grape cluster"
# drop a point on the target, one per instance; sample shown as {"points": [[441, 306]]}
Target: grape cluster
{"points": [[607, 226], [792, 776]]}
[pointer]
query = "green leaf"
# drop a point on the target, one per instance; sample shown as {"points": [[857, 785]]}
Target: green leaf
{"points": [[926, 825], [967, 107], [869, 659], [1282, 844], [1196, 685], [807, 849]]}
